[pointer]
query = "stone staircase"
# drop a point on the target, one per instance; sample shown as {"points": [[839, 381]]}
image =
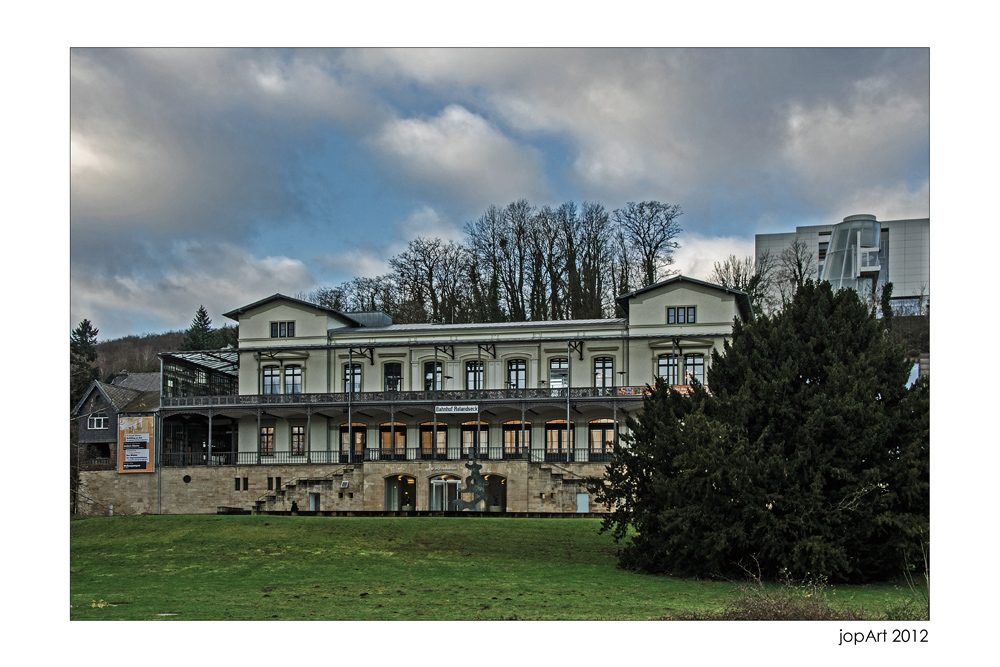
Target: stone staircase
{"points": [[298, 490]]}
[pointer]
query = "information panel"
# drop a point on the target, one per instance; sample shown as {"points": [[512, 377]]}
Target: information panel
{"points": [[135, 444]]}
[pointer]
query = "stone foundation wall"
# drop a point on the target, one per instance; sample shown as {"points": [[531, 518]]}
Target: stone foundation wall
{"points": [[531, 487]]}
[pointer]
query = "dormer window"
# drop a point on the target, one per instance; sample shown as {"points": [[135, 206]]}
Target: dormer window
{"points": [[98, 420], [282, 329]]}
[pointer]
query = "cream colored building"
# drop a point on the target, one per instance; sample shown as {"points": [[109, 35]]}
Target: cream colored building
{"points": [[346, 412]]}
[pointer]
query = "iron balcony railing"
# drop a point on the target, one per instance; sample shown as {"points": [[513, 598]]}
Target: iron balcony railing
{"points": [[177, 459], [455, 395]]}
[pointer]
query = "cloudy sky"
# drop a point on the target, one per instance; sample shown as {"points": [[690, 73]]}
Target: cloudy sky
{"points": [[218, 177]]}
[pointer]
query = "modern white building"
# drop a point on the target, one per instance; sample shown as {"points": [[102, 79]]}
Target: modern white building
{"points": [[862, 251]]}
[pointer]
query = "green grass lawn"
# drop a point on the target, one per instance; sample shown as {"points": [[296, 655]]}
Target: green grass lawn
{"points": [[298, 568]]}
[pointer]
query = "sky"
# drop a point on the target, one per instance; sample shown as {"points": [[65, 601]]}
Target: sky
{"points": [[218, 177]]}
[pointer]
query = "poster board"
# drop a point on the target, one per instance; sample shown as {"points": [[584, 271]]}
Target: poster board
{"points": [[135, 444]]}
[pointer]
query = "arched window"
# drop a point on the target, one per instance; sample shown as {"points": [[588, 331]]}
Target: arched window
{"points": [[393, 372], [298, 440], [358, 435], [604, 372], [469, 437], [392, 440], [432, 376], [558, 443], [496, 493], [694, 368], [666, 368], [474, 374], [443, 490], [293, 379], [517, 374], [429, 449], [516, 440], [400, 493], [272, 380], [558, 372], [352, 378], [602, 439]]}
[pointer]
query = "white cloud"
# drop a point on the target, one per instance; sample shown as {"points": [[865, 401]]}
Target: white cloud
{"points": [[891, 202], [463, 154], [698, 254]]}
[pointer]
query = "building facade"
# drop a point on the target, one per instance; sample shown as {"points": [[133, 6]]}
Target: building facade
{"points": [[347, 412], [862, 253]]}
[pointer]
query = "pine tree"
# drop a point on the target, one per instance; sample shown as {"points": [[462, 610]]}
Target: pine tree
{"points": [[200, 335], [82, 355], [810, 455]]}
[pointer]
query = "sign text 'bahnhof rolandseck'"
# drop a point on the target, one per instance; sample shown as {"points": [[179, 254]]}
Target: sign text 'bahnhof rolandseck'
{"points": [[454, 409]]}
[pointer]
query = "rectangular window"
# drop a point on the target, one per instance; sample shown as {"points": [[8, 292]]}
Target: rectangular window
{"points": [[282, 329], [237, 480], [98, 420], [432, 376], [267, 440], [694, 368], [474, 375], [680, 315], [517, 374], [270, 484], [666, 368], [246, 483], [393, 374], [293, 379], [558, 372], [272, 377], [604, 375], [352, 377], [298, 441]]}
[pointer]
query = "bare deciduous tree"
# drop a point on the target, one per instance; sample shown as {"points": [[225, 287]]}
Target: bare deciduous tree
{"points": [[651, 228]]}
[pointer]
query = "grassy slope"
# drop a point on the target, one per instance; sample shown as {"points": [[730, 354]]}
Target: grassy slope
{"points": [[269, 567]]}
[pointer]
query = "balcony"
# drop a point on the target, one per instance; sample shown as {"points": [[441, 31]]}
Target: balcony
{"points": [[444, 396], [176, 459]]}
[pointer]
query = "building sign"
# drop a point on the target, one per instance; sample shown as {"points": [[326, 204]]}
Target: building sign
{"points": [[135, 444], [633, 391], [454, 409]]}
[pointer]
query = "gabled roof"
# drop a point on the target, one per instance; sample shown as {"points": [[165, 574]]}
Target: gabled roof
{"points": [[742, 298], [146, 401], [118, 397], [138, 381], [235, 314]]}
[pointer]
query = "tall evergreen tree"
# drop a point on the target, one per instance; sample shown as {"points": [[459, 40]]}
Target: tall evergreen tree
{"points": [[82, 358], [200, 335], [810, 454]]}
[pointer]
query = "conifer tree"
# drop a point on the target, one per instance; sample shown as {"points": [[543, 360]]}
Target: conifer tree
{"points": [[82, 355], [200, 335], [809, 455]]}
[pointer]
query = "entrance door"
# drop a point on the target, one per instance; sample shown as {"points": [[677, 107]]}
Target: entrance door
{"points": [[583, 503], [313, 502]]}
